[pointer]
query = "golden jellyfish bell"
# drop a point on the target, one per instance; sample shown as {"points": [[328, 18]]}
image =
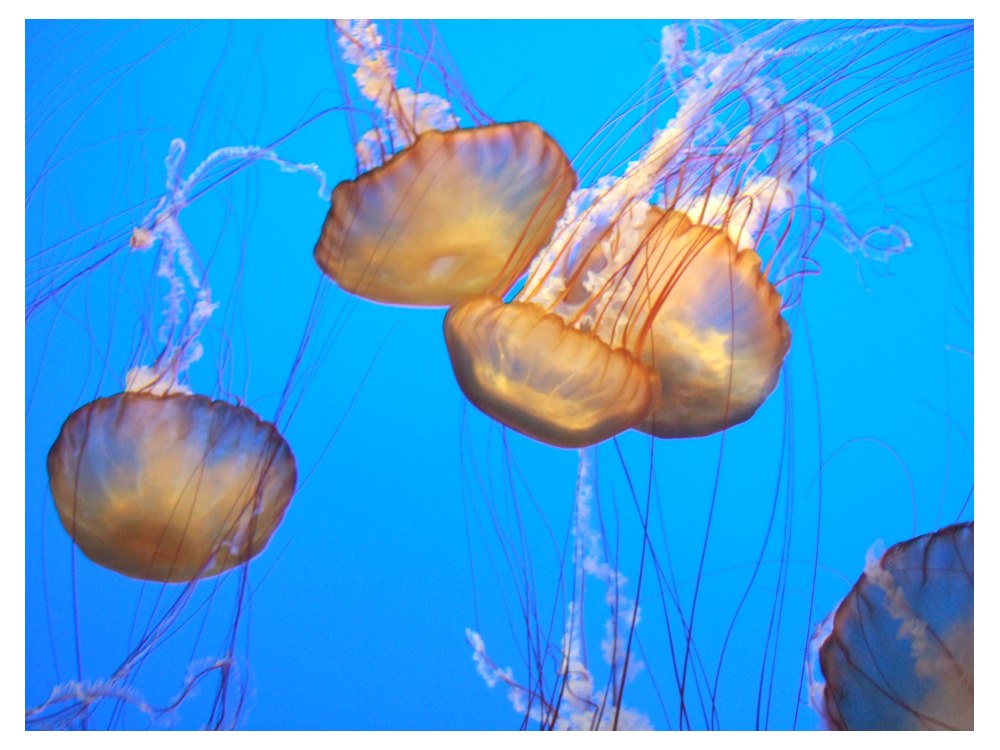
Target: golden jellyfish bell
{"points": [[169, 488], [712, 327], [527, 368], [455, 213]]}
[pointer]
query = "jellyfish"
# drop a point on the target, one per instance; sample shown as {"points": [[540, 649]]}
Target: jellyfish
{"points": [[156, 482], [438, 211], [899, 654]]}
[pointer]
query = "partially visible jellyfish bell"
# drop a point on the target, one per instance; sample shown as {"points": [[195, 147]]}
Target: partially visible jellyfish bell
{"points": [[900, 652], [438, 212], [657, 271], [169, 488]]}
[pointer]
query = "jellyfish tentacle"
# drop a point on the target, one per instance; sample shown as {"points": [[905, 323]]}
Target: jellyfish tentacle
{"points": [[178, 263]]}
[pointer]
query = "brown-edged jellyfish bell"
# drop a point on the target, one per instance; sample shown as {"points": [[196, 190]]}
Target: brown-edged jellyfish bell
{"points": [[169, 487], [898, 652], [649, 309], [437, 212]]}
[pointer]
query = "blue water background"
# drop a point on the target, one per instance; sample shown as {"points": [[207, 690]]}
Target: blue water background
{"points": [[388, 553]]}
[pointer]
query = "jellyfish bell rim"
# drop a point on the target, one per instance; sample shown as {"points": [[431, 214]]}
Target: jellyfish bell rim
{"points": [[273, 486], [401, 271]]}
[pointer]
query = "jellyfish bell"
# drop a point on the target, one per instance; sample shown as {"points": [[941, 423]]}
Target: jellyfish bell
{"points": [[169, 487], [525, 367], [718, 341], [453, 214], [707, 321], [439, 212], [900, 652]]}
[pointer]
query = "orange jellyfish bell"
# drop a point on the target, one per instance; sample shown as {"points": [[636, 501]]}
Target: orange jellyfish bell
{"points": [[455, 213], [169, 487], [438, 212], [900, 653], [714, 331], [528, 369]]}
